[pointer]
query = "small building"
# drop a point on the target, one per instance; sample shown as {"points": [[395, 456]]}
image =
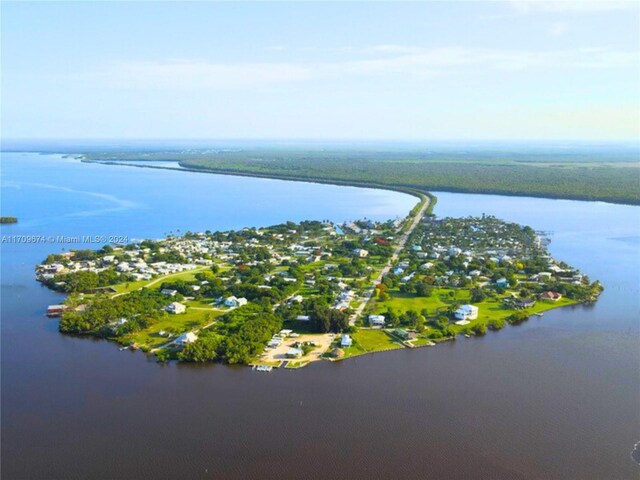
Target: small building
{"points": [[176, 308], [361, 252], [404, 334], [376, 320], [168, 292], [186, 338], [56, 310], [233, 301], [303, 318], [553, 296], [466, 312], [294, 353], [525, 302], [346, 341], [502, 282], [296, 299]]}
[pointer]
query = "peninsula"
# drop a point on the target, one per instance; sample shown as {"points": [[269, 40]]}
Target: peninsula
{"points": [[294, 293]]}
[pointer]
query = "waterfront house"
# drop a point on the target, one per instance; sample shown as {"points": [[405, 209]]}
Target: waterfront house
{"points": [[553, 296], [466, 312], [404, 334], [524, 302], [346, 341], [176, 308], [186, 338], [376, 320]]}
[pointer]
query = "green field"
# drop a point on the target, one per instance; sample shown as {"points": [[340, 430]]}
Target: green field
{"points": [[489, 309], [368, 341], [176, 324], [157, 282]]}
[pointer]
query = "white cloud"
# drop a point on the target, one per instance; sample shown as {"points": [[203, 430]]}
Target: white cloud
{"points": [[192, 74], [557, 29], [420, 63], [570, 6]]}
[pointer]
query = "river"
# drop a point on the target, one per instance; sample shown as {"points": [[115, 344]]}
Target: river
{"points": [[556, 397]]}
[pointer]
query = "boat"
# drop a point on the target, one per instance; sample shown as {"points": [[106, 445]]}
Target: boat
{"points": [[264, 368], [539, 314]]}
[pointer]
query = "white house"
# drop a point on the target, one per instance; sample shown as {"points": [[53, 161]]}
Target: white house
{"points": [[376, 320], [345, 341], [233, 301], [176, 307], [361, 252], [168, 292], [303, 318], [467, 312], [296, 299], [186, 338], [123, 267]]}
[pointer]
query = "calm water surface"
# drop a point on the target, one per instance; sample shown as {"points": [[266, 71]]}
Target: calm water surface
{"points": [[554, 398]]}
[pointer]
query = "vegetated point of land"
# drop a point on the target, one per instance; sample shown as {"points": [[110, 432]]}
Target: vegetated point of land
{"points": [[579, 174]]}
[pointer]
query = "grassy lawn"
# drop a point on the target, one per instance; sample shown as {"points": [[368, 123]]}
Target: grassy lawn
{"points": [[489, 309], [421, 341], [155, 283], [375, 340], [177, 324], [368, 341], [301, 364]]}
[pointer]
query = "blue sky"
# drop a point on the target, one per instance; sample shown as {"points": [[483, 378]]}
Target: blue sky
{"points": [[416, 71]]}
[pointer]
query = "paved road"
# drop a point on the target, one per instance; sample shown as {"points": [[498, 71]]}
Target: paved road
{"points": [[368, 295]]}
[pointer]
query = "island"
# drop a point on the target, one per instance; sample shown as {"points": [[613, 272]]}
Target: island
{"points": [[294, 293]]}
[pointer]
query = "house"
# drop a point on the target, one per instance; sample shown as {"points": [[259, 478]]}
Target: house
{"points": [[466, 312], [376, 320], [346, 341], [294, 353], [123, 267], [405, 335], [525, 302], [176, 308], [168, 292], [186, 338], [303, 318], [502, 282], [361, 252], [296, 299], [233, 301], [553, 296]]}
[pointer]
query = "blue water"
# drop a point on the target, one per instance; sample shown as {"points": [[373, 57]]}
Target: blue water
{"points": [[553, 398]]}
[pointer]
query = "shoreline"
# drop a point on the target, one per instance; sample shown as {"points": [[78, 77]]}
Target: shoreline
{"points": [[408, 189], [423, 208]]}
